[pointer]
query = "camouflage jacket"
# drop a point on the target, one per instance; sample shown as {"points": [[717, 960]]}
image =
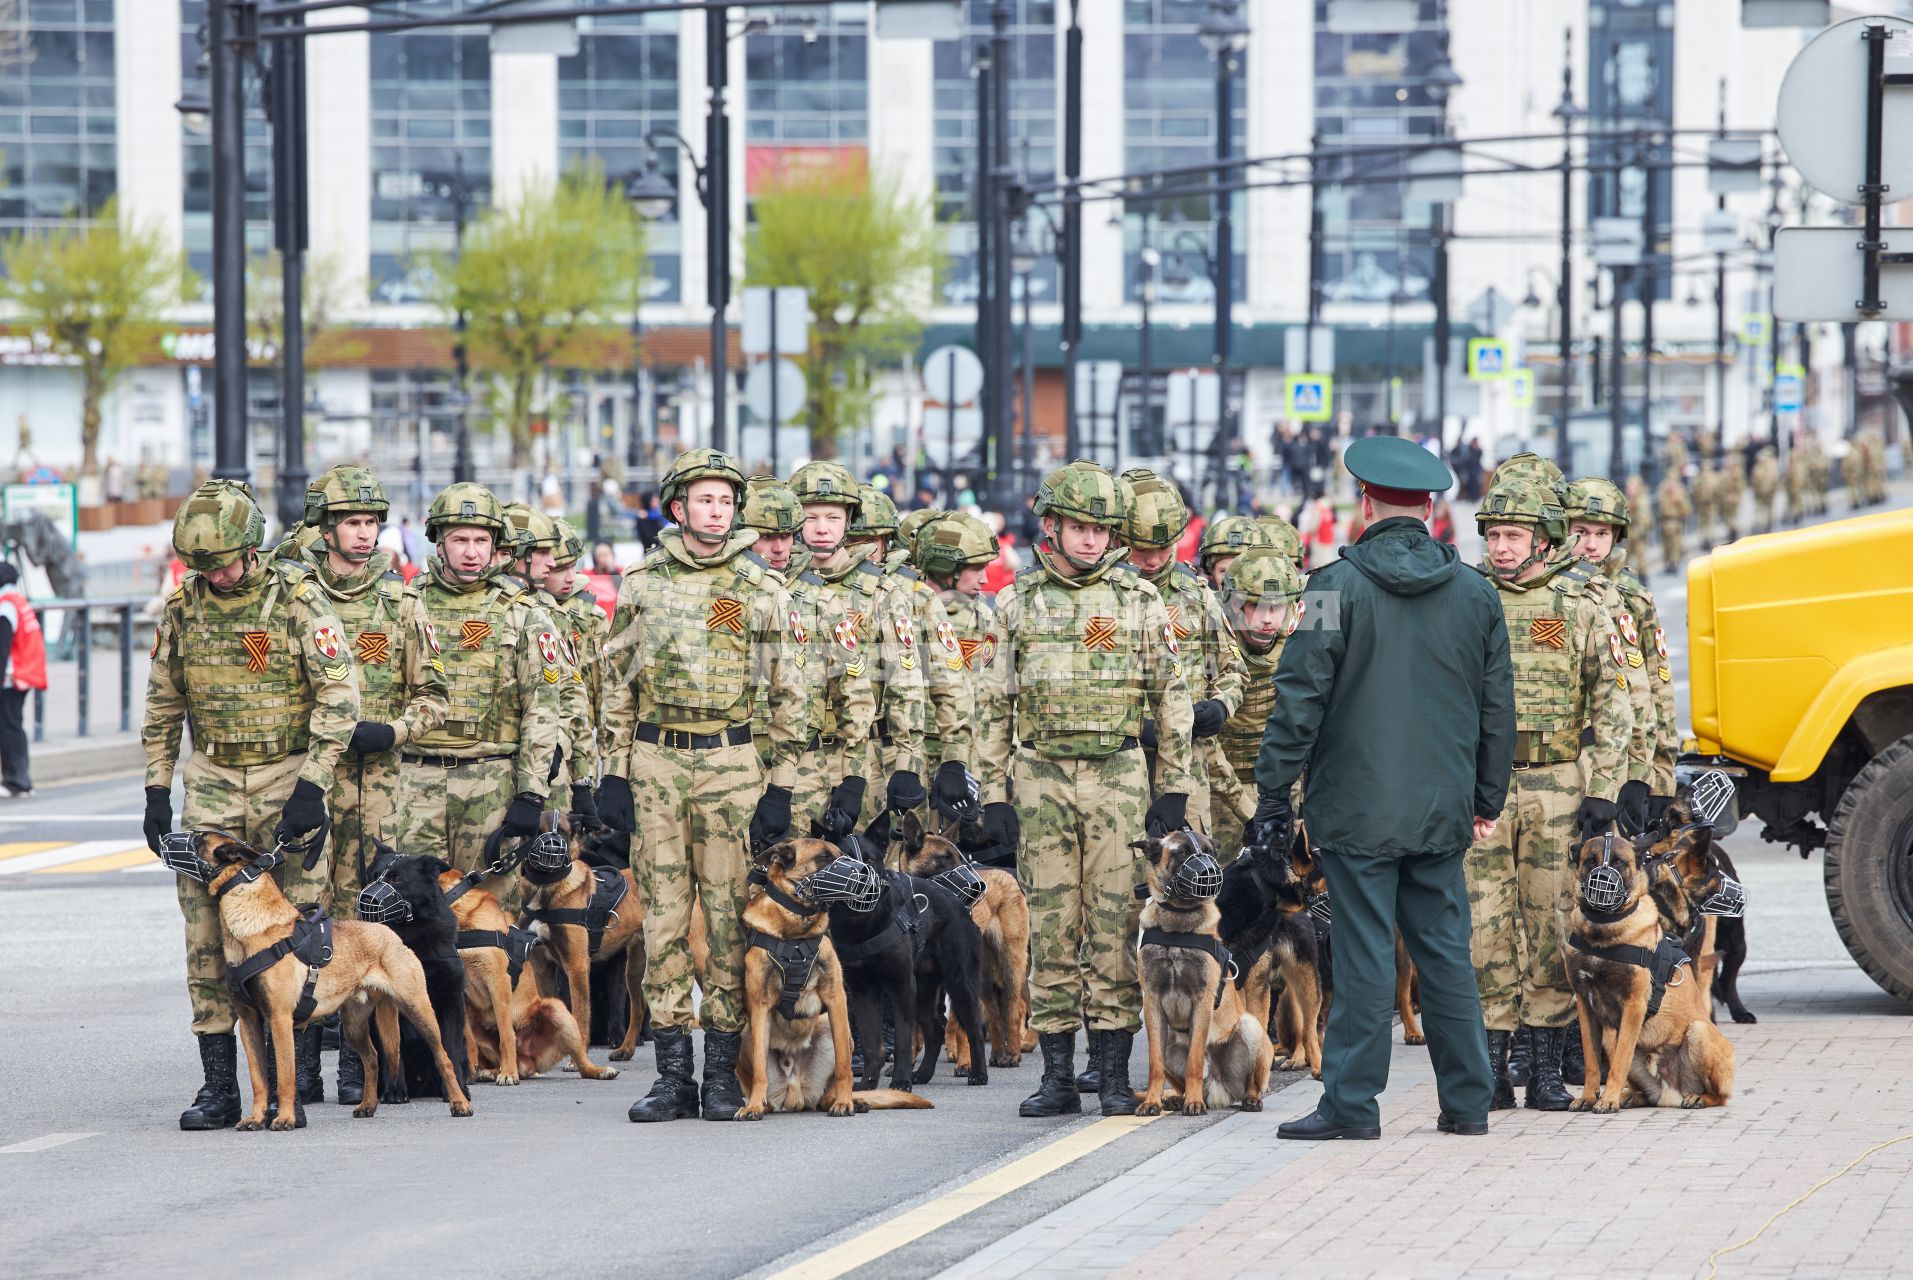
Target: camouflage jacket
{"points": [[401, 683], [874, 644]]}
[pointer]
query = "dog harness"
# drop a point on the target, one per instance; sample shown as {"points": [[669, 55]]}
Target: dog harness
{"points": [[607, 891], [515, 943], [1155, 937], [906, 919], [310, 943], [1661, 963], [795, 958]]}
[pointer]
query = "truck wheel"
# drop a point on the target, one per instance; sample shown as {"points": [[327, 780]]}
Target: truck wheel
{"points": [[1869, 869]]}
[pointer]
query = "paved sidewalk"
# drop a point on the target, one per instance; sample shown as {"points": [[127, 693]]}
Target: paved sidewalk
{"points": [[1644, 1193]]}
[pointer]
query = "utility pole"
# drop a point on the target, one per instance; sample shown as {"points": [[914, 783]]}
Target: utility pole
{"points": [[462, 472], [1567, 113], [1650, 287], [290, 235], [228, 99], [985, 264], [717, 163], [1720, 295], [997, 382], [1072, 221]]}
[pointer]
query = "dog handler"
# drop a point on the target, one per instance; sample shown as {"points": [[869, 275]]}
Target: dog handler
{"points": [[254, 657], [1397, 693]]}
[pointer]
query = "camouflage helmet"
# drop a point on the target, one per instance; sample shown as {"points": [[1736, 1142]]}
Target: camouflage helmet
{"points": [[829, 482], [1259, 574], [1524, 502], [1286, 538], [298, 540], [464, 505], [699, 464], [1154, 514], [770, 507], [955, 542], [344, 490], [527, 529], [912, 524], [1532, 468], [1600, 501], [571, 545], [219, 522], [876, 515], [1083, 491], [1229, 536]]}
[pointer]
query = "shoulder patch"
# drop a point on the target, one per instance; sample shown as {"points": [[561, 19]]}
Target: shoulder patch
{"points": [[907, 573], [811, 577], [870, 567], [1026, 571], [1184, 567]]}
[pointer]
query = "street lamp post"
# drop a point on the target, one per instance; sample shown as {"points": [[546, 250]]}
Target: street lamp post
{"points": [[1567, 113], [715, 187], [1005, 208], [1145, 354], [1023, 262], [1072, 237], [287, 108], [1224, 31], [227, 103], [1441, 81], [461, 356]]}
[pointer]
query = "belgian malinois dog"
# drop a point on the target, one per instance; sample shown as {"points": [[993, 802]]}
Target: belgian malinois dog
{"points": [[561, 898]]}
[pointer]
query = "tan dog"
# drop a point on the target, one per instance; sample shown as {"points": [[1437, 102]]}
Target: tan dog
{"points": [[791, 1060], [514, 1032], [559, 906], [1407, 993], [370, 973], [1201, 1039], [1673, 1056]]}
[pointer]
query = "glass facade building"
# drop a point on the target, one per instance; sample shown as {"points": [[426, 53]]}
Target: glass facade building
{"points": [[58, 129]]}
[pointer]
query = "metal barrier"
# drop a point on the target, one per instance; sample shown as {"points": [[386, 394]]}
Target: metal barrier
{"points": [[125, 607]]}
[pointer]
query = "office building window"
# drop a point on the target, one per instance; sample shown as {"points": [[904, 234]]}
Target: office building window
{"points": [[58, 156], [807, 80], [196, 229]]}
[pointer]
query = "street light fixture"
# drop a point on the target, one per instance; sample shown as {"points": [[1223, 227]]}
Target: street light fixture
{"points": [[1223, 28], [195, 104], [648, 191]]}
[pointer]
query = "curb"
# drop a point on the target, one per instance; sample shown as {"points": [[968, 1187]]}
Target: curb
{"points": [[74, 759]]}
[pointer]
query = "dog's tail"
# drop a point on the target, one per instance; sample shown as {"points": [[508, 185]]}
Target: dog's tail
{"points": [[892, 1100]]}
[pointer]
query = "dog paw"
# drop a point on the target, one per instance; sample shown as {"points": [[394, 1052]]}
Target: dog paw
{"points": [[363, 1112], [1744, 1016], [979, 1076], [283, 1124], [1147, 1108], [841, 1109], [1005, 1060], [962, 1070], [484, 1075], [1172, 1103], [1604, 1108], [505, 1080], [924, 1075], [622, 1055], [251, 1124], [749, 1113], [1194, 1107], [1414, 1039], [1580, 1104], [1315, 1073], [605, 1073], [1692, 1102], [1252, 1103], [570, 1066], [861, 1105]]}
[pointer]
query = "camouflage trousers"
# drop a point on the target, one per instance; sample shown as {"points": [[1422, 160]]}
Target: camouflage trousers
{"points": [[818, 773], [1518, 883], [245, 800], [447, 813], [1672, 552], [364, 804], [694, 814], [1080, 876]]}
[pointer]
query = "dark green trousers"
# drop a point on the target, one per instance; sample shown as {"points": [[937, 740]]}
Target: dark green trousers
{"points": [[1427, 895]]}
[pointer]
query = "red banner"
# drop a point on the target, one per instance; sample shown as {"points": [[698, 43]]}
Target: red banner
{"points": [[768, 167]]}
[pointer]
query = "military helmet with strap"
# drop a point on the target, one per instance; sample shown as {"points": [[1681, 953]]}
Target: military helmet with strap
{"points": [[827, 482], [1154, 514], [219, 522], [1600, 501], [1082, 491], [1230, 536], [1524, 502], [464, 505], [700, 464], [956, 542], [344, 490], [770, 507], [876, 515]]}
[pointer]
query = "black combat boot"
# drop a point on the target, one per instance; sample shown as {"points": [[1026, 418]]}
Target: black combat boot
{"points": [[1112, 1050], [351, 1077], [673, 1094], [1545, 1090], [1503, 1099], [723, 1097], [311, 1081], [217, 1104], [1521, 1057], [1056, 1095], [1574, 1067], [1090, 1078]]}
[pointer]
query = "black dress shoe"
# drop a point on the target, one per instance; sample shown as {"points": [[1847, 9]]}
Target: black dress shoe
{"points": [[1462, 1128], [1314, 1127]]}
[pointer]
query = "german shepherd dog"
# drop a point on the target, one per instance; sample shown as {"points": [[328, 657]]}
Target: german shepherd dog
{"points": [[1681, 900], [1266, 925], [1674, 1056], [1205, 1049], [1002, 915], [371, 974], [559, 898], [432, 934], [793, 983], [1407, 993]]}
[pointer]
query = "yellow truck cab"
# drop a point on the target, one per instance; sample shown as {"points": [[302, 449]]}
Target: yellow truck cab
{"points": [[1800, 654]]}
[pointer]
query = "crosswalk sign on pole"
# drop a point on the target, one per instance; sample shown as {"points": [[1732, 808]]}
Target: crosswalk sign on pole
{"points": [[1790, 388], [1488, 359], [1308, 397], [1521, 388], [1755, 328]]}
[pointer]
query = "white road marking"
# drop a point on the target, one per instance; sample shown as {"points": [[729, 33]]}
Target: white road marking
{"points": [[77, 852], [21, 817], [43, 1142]]}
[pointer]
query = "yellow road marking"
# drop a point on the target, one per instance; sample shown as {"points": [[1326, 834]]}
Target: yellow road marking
{"points": [[23, 848], [914, 1224], [104, 862]]}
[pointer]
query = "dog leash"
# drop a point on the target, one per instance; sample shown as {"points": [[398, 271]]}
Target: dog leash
{"points": [[359, 768], [1713, 1259]]}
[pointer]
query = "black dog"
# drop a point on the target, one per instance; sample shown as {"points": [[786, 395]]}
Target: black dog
{"points": [[918, 944], [1268, 928], [432, 935], [1730, 951]]}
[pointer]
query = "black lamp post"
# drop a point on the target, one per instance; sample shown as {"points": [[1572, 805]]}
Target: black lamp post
{"points": [[221, 101], [1023, 257], [1568, 114], [652, 196], [1441, 81], [1224, 32]]}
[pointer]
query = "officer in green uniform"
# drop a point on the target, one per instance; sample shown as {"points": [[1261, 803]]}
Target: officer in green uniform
{"points": [[1087, 656], [700, 621], [1223, 541], [1261, 602], [252, 655], [582, 630], [1397, 694]]}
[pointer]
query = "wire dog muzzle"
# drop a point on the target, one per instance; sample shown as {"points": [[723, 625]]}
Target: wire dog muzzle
{"points": [[1729, 900], [1197, 878], [381, 903], [1319, 908], [180, 852], [963, 881], [1603, 887], [851, 881], [547, 854]]}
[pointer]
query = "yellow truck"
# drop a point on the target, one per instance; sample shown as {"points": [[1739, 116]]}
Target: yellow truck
{"points": [[1800, 656]]}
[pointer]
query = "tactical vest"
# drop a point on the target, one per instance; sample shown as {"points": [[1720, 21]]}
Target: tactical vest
{"points": [[1242, 732], [693, 656], [371, 619], [807, 600], [475, 635], [969, 625], [1183, 599], [246, 694], [1079, 657], [1549, 703]]}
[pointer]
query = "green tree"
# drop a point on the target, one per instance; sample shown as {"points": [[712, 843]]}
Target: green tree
{"points": [[535, 273], [96, 289], [868, 256]]}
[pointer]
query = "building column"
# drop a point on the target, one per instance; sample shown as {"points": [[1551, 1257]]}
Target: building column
{"points": [[339, 149], [524, 123], [1104, 141]]}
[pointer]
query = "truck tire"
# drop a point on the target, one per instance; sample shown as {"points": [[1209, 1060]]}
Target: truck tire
{"points": [[1869, 869]]}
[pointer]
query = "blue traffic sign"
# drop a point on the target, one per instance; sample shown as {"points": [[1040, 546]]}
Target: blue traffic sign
{"points": [[1309, 397], [1790, 393]]}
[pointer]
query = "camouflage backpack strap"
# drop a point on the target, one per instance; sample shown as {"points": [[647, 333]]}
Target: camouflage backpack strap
{"points": [[868, 578], [1026, 571], [1630, 583], [1575, 580]]}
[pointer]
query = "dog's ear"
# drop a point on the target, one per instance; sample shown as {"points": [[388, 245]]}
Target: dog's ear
{"points": [[912, 833], [381, 861], [782, 855], [437, 866], [1149, 847], [1694, 856], [1301, 855]]}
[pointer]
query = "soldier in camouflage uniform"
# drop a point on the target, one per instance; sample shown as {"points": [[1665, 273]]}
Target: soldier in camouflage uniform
{"points": [[953, 552], [1706, 502], [1087, 655], [1287, 539], [1766, 485], [402, 689], [1675, 453], [699, 622], [532, 540], [1794, 480], [1570, 675], [1731, 487], [1820, 475], [488, 767], [773, 510], [908, 529], [1671, 501], [583, 629], [1261, 601], [1223, 541], [252, 655]]}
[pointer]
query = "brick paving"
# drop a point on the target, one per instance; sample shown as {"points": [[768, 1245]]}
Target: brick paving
{"points": [[1640, 1194]]}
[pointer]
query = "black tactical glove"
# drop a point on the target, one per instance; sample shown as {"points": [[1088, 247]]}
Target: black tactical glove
{"points": [[1595, 816], [1148, 735], [1632, 805], [841, 811], [1210, 717], [372, 737], [614, 804], [1167, 814], [1001, 828], [905, 791], [159, 815], [1657, 807], [303, 822], [584, 804], [771, 822], [1271, 829], [955, 793], [523, 818], [557, 758]]}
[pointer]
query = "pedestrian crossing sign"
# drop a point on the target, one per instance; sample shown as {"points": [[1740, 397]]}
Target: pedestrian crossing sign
{"points": [[1488, 359], [1521, 384], [1755, 328], [1308, 397]]}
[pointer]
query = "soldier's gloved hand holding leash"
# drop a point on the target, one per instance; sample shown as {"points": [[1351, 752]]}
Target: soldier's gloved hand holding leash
{"points": [[614, 804], [1271, 828], [1633, 806], [771, 820], [1001, 829], [844, 807], [159, 816], [1594, 816], [1168, 813], [584, 804], [303, 822], [371, 738], [525, 815], [905, 791], [1211, 715], [955, 793]]}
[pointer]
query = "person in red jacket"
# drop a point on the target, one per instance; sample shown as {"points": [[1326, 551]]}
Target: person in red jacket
{"points": [[22, 668]]}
